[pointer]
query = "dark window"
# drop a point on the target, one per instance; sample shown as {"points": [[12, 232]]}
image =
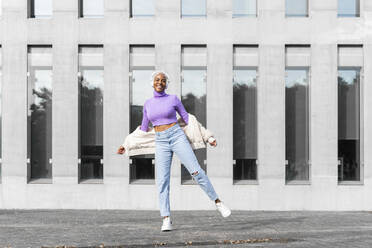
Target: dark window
{"points": [[193, 96], [91, 112], [349, 124], [142, 64], [39, 113]]}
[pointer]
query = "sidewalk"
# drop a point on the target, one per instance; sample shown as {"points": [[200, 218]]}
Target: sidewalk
{"points": [[120, 228]]}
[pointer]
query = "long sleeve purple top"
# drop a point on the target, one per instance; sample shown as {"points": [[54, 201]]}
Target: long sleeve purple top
{"points": [[161, 109]]}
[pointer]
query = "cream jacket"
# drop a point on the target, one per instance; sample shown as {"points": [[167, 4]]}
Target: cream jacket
{"points": [[140, 142]]}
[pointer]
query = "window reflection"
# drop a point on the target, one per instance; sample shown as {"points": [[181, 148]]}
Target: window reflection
{"points": [[40, 8], [142, 8], [91, 8], [1, 114], [39, 117], [91, 112], [297, 124], [348, 8], [245, 123], [195, 8], [194, 100], [142, 167], [348, 124], [244, 8], [296, 8]]}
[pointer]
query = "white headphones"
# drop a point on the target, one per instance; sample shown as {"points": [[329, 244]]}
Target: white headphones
{"points": [[153, 75]]}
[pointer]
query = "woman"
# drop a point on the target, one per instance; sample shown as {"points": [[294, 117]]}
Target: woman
{"points": [[169, 138]]}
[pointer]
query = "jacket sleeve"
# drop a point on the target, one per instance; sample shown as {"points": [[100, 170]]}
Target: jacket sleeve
{"points": [[126, 143], [207, 135]]}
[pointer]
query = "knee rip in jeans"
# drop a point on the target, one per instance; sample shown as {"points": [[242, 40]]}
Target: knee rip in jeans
{"points": [[198, 174]]}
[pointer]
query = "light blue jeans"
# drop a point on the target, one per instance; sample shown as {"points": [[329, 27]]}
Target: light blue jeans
{"points": [[172, 140]]}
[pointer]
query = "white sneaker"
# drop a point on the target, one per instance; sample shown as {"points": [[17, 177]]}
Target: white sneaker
{"points": [[223, 209], [167, 224]]}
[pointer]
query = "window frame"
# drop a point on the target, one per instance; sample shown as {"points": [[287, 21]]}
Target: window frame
{"points": [[309, 162], [140, 181], [30, 76], [245, 15], [31, 11], [350, 16], [249, 181], [79, 160], [140, 16], [359, 182], [81, 11], [194, 16], [297, 16]]}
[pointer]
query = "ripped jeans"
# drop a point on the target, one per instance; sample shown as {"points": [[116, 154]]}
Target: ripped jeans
{"points": [[172, 140]]}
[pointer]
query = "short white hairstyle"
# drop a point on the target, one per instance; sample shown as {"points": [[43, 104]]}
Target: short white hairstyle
{"points": [[155, 73]]}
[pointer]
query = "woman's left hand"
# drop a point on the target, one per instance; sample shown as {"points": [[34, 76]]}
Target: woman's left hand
{"points": [[214, 143]]}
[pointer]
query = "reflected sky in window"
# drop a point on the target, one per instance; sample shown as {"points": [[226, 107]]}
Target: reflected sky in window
{"points": [[43, 8], [244, 8], [348, 75], [193, 82], [193, 7], [143, 7], [141, 87], [296, 77], [93, 8], [296, 7], [245, 77], [348, 8], [93, 78]]}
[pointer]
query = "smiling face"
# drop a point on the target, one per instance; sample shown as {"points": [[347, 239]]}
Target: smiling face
{"points": [[160, 81]]}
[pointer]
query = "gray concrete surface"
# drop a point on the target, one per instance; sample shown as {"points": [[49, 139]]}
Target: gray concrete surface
{"points": [[118, 228]]}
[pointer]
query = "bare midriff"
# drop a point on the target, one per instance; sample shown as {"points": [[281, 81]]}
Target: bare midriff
{"points": [[164, 127]]}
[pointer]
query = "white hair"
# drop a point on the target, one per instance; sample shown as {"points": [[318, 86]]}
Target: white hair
{"points": [[153, 75]]}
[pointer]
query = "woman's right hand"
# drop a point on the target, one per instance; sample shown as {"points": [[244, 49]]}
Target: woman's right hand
{"points": [[121, 150]]}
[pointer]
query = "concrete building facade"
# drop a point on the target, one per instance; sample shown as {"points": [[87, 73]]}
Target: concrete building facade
{"points": [[270, 33]]}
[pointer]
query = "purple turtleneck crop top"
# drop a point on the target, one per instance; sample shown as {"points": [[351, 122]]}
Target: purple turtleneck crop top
{"points": [[161, 109]]}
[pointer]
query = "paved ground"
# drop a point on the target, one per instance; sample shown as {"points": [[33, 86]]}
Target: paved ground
{"points": [[116, 228]]}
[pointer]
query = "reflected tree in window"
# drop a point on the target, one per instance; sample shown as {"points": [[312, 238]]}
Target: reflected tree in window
{"points": [[91, 123], [41, 124], [39, 112]]}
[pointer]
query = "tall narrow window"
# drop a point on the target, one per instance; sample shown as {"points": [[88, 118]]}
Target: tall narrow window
{"points": [[142, 64], [193, 8], [40, 8], [39, 112], [245, 113], [1, 114], [297, 113], [193, 95], [348, 8], [350, 64], [243, 8], [142, 8], [296, 8], [91, 8], [90, 113]]}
